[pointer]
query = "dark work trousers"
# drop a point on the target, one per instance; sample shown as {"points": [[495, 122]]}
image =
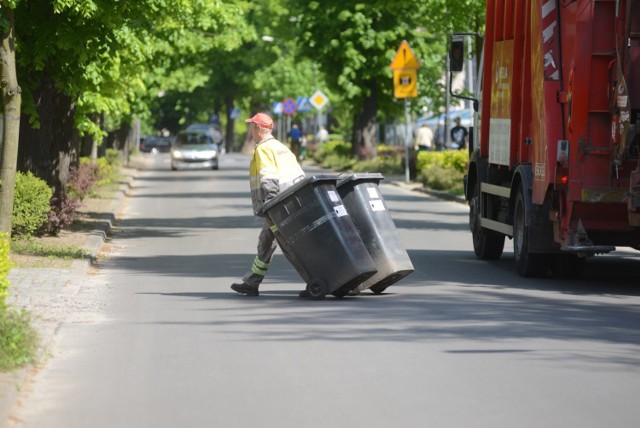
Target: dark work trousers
{"points": [[267, 243]]}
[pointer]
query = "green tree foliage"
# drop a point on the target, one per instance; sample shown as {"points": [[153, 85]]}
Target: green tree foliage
{"points": [[180, 60], [108, 55], [80, 58], [355, 42]]}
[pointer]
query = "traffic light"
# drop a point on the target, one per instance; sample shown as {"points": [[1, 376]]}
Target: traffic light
{"points": [[456, 55]]}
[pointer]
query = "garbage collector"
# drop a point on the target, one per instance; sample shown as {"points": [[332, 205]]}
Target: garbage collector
{"points": [[273, 168]]}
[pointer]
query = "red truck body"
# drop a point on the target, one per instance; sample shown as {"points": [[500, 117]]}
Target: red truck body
{"points": [[556, 165]]}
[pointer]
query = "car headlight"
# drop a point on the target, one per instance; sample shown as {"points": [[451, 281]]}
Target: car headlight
{"points": [[209, 153], [176, 154]]}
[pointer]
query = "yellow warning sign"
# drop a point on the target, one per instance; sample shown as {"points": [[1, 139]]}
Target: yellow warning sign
{"points": [[405, 83], [404, 58]]}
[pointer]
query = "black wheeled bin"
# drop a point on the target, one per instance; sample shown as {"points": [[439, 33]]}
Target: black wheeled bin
{"points": [[368, 210], [313, 223]]}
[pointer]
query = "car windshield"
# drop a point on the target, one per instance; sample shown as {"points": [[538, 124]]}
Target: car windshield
{"points": [[193, 139], [157, 140]]}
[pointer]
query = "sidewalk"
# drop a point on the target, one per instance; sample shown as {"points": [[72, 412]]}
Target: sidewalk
{"points": [[52, 295]]}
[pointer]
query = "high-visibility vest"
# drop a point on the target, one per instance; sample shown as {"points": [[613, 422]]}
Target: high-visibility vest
{"points": [[273, 169]]}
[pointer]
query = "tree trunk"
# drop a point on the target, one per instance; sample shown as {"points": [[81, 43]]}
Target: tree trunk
{"points": [[48, 150], [12, 99], [365, 126], [94, 140], [229, 135], [88, 142]]}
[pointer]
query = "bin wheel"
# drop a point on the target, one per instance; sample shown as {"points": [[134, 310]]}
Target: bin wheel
{"points": [[378, 289], [317, 288]]}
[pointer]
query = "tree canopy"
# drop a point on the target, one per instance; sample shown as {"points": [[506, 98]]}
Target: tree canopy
{"points": [[170, 62]]}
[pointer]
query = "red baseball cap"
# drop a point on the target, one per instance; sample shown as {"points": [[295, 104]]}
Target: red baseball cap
{"points": [[262, 120]]}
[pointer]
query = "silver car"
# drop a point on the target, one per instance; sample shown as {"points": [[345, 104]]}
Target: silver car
{"points": [[194, 149]]}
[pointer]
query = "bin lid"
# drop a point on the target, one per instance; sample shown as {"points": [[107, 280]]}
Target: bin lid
{"points": [[310, 180], [361, 177]]}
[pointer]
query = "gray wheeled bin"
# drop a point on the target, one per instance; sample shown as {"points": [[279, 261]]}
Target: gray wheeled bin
{"points": [[367, 208], [314, 224]]}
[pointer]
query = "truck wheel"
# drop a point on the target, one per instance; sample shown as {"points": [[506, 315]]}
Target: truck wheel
{"points": [[528, 264], [487, 244], [567, 266]]}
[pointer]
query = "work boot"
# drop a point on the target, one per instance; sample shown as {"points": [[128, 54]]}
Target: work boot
{"points": [[246, 289]]}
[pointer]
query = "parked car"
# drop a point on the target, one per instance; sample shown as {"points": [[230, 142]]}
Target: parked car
{"points": [[194, 149], [155, 144]]}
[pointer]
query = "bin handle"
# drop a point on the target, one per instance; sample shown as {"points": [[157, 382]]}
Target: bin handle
{"points": [[287, 208]]}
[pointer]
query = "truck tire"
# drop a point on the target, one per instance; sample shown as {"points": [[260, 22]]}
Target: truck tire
{"points": [[529, 264], [487, 244]]}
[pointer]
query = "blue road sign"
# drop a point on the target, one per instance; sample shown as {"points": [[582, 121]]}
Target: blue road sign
{"points": [[304, 104], [289, 106]]}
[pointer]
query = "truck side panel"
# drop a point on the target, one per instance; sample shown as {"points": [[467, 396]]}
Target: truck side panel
{"points": [[546, 127]]}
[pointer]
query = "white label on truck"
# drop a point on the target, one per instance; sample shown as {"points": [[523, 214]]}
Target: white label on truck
{"points": [[373, 193], [377, 205], [333, 196], [340, 210], [622, 101], [499, 141]]}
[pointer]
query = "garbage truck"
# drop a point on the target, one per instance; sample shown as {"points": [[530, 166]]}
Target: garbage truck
{"points": [[555, 156]]}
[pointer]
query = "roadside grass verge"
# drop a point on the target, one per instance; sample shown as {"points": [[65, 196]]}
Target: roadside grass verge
{"points": [[52, 251], [18, 339]]}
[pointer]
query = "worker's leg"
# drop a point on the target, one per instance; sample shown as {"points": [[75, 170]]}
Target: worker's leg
{"points": [[260, 265]]}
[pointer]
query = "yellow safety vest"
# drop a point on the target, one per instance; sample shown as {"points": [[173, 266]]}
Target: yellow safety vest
{"points": [[273, 169]]}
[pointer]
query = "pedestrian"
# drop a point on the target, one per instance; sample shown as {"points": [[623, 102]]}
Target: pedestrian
{"points": [[424, 138], [273, 169], [295, 138], [322, 136], [459, 135]]}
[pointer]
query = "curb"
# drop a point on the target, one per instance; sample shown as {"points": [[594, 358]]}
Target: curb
{"points": [[106, 220]]}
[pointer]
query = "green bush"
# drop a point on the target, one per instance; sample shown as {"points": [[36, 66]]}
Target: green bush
{"points": [[112, 157], [443, 170], [105, 170], [386, 165], [31, 204], [448, 159], [436, 170], [17, 338], [5, 267], [333, 148], [338, 162]]}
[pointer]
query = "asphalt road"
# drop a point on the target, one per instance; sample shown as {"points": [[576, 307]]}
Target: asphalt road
{"points": [[458, 343]]}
